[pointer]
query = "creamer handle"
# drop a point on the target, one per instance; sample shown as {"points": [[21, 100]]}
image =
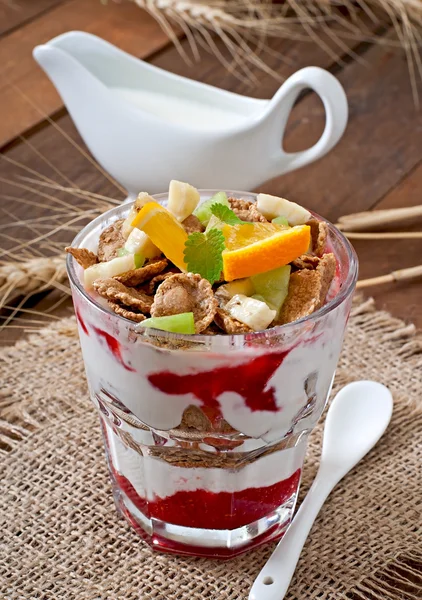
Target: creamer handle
{"points": [[334, 99]]}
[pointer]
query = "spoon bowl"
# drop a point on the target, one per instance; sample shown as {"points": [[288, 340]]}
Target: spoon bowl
{"points": [[356, 419]]}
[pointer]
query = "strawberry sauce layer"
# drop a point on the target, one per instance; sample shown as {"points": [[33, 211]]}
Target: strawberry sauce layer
{"points": [[208, 510], [113, 345], [249, 380]]}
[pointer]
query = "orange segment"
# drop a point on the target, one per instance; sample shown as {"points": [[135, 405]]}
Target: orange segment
{"points": [[261, 247], [164, 231]]}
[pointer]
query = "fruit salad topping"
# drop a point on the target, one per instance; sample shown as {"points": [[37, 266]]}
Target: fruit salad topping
{"points": [[225, 265]]}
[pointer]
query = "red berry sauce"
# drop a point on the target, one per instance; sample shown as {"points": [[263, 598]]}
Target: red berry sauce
{"points": [[114, 346], [249, 380], [209, 510]]}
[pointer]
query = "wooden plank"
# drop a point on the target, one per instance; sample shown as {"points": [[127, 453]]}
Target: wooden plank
{"points": [[382, 143], [406, 193], [124, 24], [381, 257], [15, 13]]}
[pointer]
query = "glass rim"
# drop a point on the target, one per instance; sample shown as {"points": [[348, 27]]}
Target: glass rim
{"points": [[346, 290]]}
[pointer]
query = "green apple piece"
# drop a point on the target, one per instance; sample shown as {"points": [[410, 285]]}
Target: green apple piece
{"points": [[254, 313], [240, 286], [273, 286], [138, 258], [182, 323], [281, 221], [203, 211], [258, 297], [273, 206], [183, 198], [111, 268]]}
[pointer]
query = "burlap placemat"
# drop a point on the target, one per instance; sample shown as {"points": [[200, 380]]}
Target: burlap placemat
{"points": [[61, 538]]}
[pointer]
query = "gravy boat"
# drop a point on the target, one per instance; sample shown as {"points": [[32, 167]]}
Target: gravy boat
{"points": [[146, 126]]}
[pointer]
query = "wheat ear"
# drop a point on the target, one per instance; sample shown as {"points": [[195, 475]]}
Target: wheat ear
{"points": [[31, 277]]}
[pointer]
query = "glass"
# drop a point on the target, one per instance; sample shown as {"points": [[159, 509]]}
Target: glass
{"points": [[205, 436]]}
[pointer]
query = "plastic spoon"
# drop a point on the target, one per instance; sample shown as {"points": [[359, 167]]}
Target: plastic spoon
{"points": [[357, 418]]}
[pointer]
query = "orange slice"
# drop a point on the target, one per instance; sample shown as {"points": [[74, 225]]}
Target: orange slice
{"points": [[260, 247], [164, 230]]}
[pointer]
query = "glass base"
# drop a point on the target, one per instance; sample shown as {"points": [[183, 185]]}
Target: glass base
{"points": [[212, 543]]}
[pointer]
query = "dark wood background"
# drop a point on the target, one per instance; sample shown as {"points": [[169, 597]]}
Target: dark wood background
{"points": [[377, 164]]}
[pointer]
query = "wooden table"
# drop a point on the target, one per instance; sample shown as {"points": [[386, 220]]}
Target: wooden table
{"points": [[377, 164]]}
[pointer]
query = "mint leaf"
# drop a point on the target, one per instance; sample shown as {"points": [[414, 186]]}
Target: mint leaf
{"points": [[225, 214], [203, 254]]}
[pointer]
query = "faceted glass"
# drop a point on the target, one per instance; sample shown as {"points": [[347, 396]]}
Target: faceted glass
{"points": [[205, 436]]}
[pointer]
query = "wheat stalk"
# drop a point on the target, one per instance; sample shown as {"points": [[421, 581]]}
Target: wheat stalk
{"points": [[400, 275], [32, 276], [244, 27]]}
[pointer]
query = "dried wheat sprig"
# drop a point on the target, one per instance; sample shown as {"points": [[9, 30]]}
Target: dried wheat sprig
{"points": [[107, 201], [378, 218], [30, 277], [46, 236], [53, 199], [400, 275], [32, 311], [389, 235], [31, 203], [244, 26]]}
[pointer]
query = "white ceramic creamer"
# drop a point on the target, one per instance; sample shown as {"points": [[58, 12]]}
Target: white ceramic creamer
{"points": [[146, 126]]}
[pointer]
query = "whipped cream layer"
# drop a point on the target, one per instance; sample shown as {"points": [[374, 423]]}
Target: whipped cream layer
{"points": [[152, 477]]}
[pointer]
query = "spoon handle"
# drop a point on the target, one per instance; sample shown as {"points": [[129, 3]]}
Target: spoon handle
{"points": [[274, 579]]}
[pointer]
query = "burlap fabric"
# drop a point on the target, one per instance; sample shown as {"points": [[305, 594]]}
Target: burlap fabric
{"points": [[61, 538]]}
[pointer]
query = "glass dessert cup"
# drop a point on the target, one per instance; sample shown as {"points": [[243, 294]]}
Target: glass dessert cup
{"points": [[205, 435]]}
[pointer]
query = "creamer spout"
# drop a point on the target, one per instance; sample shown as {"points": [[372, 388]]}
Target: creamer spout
{"points": [[72, 80]]}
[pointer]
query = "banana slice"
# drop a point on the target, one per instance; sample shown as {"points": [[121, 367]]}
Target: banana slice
{"points": [[182, 199], [142, 199], [273, 206], [252, 312], [111, 268], [139, 243]]}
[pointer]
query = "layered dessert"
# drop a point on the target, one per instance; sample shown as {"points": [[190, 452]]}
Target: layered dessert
{"points": [[210, 325]]}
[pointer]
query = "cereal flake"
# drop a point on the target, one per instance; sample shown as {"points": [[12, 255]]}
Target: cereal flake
{"points": [[124, 312], [117, 292], [246, 210], [192, 224], [111, 239], [229, 325], [307, 290], [148, 271], [83, 256], [319, 234], [306, 261], [186, 292]]}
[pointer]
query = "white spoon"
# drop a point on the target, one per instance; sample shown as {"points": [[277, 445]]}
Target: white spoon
{"points": [[356, 419]]}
